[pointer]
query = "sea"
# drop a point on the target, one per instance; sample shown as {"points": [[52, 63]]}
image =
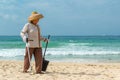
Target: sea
{"points": [[66, 48]]}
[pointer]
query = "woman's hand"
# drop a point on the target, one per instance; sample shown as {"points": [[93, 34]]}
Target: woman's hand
{"points": [[46, 40]]}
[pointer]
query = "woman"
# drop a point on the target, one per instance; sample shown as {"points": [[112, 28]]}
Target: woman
{"points": [[31, 35]]}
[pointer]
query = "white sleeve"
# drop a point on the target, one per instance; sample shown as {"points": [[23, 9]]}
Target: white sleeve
{"points": [[24, 33]]}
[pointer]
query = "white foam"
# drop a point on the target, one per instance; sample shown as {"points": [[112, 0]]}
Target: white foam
{"points": [[11, 52], [58, 51], [81, 52]]}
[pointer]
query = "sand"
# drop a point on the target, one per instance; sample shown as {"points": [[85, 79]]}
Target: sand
{"points": [[12, 70]]}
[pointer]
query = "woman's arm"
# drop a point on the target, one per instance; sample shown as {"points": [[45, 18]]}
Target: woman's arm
{"points": [[24, 33]]}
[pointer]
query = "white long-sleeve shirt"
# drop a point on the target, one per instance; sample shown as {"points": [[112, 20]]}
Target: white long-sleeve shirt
{"points": [[31, 32]]}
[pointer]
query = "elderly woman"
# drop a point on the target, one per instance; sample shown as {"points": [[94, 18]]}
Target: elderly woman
{"points": [[31, 35]]}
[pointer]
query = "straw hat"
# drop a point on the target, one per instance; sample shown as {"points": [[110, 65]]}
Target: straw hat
{"points": [[34, 16]]}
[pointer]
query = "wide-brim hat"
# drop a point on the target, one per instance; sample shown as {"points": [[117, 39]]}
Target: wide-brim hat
{"points": [[34, 16]]}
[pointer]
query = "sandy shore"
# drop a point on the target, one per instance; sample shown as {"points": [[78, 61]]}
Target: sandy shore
{"points": [[12, 70]]}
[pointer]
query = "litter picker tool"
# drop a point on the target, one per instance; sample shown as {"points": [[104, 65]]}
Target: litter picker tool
{"points": [[29, 58]]}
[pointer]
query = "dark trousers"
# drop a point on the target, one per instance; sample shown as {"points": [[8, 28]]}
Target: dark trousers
{"points": [[37, 52]]}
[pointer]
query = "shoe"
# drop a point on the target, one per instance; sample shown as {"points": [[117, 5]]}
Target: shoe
{"points": [[25, 72], [39, 73]]}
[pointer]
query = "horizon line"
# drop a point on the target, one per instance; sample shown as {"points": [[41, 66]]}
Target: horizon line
{"points": [[67, 35]]}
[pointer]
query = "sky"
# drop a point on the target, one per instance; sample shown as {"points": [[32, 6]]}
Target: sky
{"points": [[62, 17]]}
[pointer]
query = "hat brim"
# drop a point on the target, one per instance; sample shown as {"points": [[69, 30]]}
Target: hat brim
{"points": [[35, 16]]}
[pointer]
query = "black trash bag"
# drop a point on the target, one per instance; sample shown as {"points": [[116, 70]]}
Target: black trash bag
{"points": [[45, 64]]}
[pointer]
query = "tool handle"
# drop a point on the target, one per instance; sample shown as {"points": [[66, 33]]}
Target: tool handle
{"points": [[46, 46]]}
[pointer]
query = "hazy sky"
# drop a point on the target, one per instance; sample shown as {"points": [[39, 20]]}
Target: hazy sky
{"points": [[62, 17]]}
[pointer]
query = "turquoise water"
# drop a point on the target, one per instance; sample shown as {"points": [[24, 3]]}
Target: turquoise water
{"points": [[66, 48]]}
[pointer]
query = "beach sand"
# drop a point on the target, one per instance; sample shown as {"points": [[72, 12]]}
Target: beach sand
{"points": [[12, 70]]}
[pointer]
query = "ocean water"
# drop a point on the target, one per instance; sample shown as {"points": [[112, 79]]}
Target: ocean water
{"points": [[66, 48]]}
